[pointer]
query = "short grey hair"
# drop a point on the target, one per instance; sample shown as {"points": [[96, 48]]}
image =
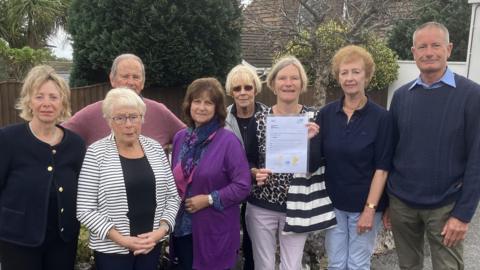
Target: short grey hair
{"points": [[282, 63], [120, 58], [242, 73], [122, 97], [434, 25]]}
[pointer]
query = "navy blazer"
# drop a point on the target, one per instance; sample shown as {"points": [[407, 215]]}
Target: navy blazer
{"points": [[29, 171]]}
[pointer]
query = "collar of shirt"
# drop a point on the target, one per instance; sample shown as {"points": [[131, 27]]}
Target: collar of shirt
{"points": [[362, 110], [448, 78]]}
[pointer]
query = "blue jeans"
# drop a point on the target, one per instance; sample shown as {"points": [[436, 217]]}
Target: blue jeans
{"points": [[345, 248]]}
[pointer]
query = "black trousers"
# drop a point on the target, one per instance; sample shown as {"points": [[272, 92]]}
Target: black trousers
{"points": [[104, 261], [248, 263], [183, 249], [53, 254]]}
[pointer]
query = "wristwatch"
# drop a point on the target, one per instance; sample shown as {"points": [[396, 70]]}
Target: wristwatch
{"points": [[210, 199], [371, 205]]}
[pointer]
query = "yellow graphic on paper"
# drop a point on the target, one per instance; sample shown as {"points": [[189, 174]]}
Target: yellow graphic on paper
{"points": [[295, 160]]}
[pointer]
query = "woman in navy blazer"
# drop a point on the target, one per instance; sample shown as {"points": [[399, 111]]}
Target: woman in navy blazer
{"points": [[39, 166]]}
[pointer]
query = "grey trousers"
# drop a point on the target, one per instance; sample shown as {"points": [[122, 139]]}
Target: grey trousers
{"points": [[409, 227]]}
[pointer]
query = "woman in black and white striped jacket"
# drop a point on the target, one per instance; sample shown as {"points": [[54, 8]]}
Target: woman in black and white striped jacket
{"points": [[127, 197]]}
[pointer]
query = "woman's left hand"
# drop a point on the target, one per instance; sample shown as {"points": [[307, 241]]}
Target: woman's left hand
{"points": [[313, 129], [151, 238], [196, 203], [365, 222]]}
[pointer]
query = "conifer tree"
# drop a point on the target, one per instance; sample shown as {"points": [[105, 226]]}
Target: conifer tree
{"points": [[178, 40]]}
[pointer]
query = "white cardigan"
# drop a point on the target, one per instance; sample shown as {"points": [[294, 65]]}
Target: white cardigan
{"points": [[102, 198]]}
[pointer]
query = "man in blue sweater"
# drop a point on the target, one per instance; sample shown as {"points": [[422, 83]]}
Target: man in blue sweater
{"points": [[434, 185]]}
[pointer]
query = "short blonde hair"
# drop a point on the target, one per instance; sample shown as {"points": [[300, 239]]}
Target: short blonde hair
{"points": [[352, 53], [245, 74], [282, 63], [35, 78], [122, 97]]}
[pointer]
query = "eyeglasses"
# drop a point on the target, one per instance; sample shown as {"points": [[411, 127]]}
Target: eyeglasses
{"points": [[122, 119], [239, 88]]}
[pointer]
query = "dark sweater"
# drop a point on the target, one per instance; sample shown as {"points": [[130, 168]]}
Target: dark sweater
{"points": [[437, 147], [29, 170]]}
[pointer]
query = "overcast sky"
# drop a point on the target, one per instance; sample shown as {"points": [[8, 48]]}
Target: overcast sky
{"points": [[61, 45]]}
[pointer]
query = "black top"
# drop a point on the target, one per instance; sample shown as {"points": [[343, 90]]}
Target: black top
{"points": [[243, 126], [140, 187], [38, 182]]}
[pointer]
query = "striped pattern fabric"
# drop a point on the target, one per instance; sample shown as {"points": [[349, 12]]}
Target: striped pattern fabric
{"points": [[308, 206], [102, 198]]}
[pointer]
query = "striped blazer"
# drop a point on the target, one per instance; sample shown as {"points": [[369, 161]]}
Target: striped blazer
{"points": [[102, 198]]}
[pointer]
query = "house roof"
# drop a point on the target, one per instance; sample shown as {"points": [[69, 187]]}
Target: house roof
{"points": [[255, 49], [264, 29], [267, 23]]}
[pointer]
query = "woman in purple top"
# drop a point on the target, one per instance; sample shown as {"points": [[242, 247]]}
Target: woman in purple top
{"points": [[212, 176]]}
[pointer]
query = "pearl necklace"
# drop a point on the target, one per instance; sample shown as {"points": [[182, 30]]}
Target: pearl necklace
{"points": [[52, 141]]}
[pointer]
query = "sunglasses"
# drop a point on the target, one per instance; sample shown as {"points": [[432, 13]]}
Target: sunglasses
{"points": [[239, 88]]}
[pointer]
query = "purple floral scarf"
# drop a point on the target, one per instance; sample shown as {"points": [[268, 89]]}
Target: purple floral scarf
{"points": [[195, 143]]}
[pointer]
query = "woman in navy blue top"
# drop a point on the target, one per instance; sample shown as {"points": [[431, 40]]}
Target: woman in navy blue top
{"points": [[355, 139], [39, 166]]}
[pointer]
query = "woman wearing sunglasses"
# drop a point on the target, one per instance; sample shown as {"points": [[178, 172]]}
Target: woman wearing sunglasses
{"points": [[243, 85]]}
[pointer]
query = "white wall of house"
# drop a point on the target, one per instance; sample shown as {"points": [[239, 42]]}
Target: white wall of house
{"points": [[408, 72], [473, 56]]}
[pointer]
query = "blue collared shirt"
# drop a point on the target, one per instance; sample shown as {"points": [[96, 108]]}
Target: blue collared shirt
{"points": [[448, 78]]}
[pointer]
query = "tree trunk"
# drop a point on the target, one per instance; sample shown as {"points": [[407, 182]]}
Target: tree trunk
{"points": [[320, 85]]}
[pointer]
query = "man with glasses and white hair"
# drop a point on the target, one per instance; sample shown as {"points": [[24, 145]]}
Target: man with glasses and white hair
{"points": [[127, 71], [434, 185]]}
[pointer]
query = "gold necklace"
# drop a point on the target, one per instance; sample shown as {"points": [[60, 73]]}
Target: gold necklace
{"points": [[53, 139], [362, 103]]}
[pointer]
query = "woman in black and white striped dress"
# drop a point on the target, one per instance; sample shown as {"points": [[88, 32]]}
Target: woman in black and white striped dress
{"points": [[127, 197]]}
